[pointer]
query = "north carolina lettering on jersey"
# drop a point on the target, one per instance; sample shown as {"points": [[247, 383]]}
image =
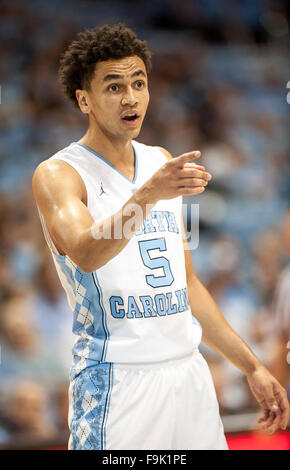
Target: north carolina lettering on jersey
{"points": [[149, 306], [158, 221]]}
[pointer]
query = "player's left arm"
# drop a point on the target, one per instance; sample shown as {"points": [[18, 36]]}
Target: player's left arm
{"points": [[218, 334]]}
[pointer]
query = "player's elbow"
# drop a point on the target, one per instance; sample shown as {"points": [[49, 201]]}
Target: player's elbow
{"points": [[87, 269], [88, 257], [87, 263], [89, 266]]}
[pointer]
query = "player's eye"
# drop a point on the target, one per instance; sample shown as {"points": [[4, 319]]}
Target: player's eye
{"points": [[140, 84], [113, 88]]}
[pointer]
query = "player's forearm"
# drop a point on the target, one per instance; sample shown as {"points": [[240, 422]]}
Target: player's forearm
{"points": [[217, 333], [103, 241]]}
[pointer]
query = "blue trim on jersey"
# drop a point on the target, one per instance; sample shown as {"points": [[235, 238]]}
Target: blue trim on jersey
{"points": [[89, 316], [104, 316], [65, 270], [110, 164]]}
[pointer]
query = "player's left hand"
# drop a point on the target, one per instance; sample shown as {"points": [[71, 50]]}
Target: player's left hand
{"points": [[272, 398]]}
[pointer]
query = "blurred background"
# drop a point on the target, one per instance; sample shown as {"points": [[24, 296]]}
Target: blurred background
{"points": [[219, 84]]}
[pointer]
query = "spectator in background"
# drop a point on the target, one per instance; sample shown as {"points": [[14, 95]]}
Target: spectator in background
{"points": [[23, 352], [6, 210], [238, 302], [52, 316], [280, 365], [268, 254], [20, 349], [27, 411], [62, 406]]}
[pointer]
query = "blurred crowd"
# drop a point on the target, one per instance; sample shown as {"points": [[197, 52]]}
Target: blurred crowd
{"points": [[218, 85]]}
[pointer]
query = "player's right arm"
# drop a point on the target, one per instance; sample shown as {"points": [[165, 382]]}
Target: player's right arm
{"points": [[60, 195]]}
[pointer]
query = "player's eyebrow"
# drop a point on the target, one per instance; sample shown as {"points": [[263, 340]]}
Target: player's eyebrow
{"points": [[115, 76]]}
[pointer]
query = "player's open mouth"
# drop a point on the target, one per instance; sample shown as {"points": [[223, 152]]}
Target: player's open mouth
{"points": [[130, 119]]}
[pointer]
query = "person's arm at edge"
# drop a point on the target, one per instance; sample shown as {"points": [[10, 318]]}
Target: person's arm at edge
{"points": [[279, 366]]}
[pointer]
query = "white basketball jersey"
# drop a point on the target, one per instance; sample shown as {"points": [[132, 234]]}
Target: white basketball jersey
{"points": [[135, 308]]}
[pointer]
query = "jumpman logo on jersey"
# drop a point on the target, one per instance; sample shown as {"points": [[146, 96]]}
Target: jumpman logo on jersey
{"points": [[102, 190]]}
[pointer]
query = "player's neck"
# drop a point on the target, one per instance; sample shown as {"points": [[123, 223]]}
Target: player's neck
{"points": [[119, 152]]}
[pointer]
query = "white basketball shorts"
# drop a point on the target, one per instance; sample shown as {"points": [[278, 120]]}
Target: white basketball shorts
{"points": [[170, 406]]}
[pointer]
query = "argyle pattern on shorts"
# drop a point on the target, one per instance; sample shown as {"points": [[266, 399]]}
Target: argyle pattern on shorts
{"points": [[89, 405]]}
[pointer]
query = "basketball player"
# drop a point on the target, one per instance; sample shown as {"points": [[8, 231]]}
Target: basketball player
{"points": [[138, 380]]}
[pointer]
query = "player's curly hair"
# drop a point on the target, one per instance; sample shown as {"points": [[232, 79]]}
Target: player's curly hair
{"points": [[77, 64]]}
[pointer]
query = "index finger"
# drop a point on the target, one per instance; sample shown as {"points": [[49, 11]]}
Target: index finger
{"points": [[186, 157]]}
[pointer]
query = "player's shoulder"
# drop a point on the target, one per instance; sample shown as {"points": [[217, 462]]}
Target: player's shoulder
{"points": [[54, 163], [55, 172]]}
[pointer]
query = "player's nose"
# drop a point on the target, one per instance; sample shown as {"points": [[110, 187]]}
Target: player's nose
{"points": [[129, 97]]}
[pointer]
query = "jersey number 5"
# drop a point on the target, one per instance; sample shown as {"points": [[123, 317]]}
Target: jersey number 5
{"points": [[154, 263]]}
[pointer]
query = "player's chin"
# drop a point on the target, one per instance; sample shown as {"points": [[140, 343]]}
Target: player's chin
{"points": [[133, 133], [136, 133]]}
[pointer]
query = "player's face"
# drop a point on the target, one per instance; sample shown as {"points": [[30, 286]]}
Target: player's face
{"points": [[119, 96]]}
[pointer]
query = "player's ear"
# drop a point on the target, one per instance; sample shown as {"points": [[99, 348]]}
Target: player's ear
{"points": [[82, 99]]}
